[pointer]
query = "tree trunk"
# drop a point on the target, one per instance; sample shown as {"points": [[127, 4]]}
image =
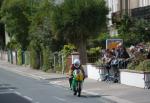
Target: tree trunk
{"points": [[82, 51]]}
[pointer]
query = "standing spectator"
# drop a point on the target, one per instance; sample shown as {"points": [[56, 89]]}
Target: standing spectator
{"points": [[123, 53], [113, 52], [107, 58], [124, 56]]}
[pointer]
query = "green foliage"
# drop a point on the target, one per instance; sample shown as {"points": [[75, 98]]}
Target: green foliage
{"points": [[13, 45], [33, 59], [40, 28], [46, 59], [19, 57], [93, 54], [133, 64], [27, 57], [135, 29], [100, 63], [144, 66], [34, 55], [13, 13], [94, 51], [100, 40], [1, 1], [67, 49], [78, 20], [139, 63]]}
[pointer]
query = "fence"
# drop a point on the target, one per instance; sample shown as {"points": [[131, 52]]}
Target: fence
{"points": [[3, 55], [57, 62], [57, 59]]}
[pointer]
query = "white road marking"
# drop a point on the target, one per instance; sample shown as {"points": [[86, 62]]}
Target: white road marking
{"points": [[28, 98], [55, 82], [87, 92], [77, 102], [95, 89], [18, 93], [37, 76], [60, 99], [11, 89]]}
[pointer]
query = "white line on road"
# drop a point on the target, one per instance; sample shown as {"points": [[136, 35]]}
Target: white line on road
{"points": [[92, 93], [18, 93], [37, 76], [11, 89], [28, 98], [60, 99], [55, 82]]}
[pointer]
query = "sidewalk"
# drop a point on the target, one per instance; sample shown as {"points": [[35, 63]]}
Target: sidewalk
{"points": [[27, 71], [116, 93]]}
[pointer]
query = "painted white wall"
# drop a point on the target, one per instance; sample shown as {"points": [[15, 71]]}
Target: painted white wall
{"points": [[95, 73], [92, 72], [134, 4], [133, 79], [144, 3]]}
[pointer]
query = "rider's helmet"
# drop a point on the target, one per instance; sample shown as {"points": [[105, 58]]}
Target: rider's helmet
{"points": [[76, 63]]}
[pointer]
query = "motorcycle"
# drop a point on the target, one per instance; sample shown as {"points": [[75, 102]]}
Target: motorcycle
{"points": [[77, 82]]}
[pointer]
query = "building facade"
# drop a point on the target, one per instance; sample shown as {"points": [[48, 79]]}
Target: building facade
{"points": [[134, 8]]}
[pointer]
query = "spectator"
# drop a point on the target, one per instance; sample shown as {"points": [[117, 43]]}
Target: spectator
{"points": [[107, 59], [123, 53]]}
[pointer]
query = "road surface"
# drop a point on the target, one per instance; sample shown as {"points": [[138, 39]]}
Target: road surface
{"points": [[16, 88]]}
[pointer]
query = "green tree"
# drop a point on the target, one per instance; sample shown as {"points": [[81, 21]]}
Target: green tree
{"points": [[40, 28], [78, 20], [124, 28], [142, 30], [99, 40], [41, 35], [133, 30], [14, 16], [1, 1]]}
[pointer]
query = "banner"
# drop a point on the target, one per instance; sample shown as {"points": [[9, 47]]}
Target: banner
{"points": [[112, 43]]}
